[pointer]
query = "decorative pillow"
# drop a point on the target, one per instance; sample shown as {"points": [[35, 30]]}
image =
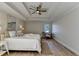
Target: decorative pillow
{"points": [[19, 33], [12, 33]]}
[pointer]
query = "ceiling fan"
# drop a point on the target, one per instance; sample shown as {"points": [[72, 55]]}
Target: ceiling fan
{"points": [[39, 9]]}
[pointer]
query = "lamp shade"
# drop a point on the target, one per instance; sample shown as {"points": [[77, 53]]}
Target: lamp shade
{"points": [[21, 27]]}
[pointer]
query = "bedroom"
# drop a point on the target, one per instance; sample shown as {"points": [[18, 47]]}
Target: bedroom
{"points": [[34, 29]]}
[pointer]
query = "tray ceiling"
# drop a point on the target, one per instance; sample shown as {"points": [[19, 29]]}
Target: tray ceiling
{"points": [[21, 9]]}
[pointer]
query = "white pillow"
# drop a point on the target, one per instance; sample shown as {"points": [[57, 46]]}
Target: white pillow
{"points": [[12, 33]]}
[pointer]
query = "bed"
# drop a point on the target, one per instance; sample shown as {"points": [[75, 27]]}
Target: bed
{"points": [[27, 42]]}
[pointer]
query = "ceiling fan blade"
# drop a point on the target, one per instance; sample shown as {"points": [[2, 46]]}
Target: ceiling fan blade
{"points": [[43, 10], [37, 8], [31, 8], [39, 13], [33, 12], [40, 5]]}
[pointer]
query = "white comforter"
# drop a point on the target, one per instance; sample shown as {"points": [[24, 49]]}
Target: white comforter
{"points": [[32, 36], [27, 42]]}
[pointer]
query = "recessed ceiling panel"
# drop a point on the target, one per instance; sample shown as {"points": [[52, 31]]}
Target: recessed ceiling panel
{"points": [[22, 9]]}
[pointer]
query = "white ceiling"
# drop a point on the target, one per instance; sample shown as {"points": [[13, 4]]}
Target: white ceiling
{"points": [[21, 9]]}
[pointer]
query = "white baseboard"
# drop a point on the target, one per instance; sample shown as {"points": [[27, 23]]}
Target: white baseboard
{"points": [[76, 52]]}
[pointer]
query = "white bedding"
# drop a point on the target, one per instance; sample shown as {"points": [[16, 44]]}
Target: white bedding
{"points": [[27, 42], [33, 36]]}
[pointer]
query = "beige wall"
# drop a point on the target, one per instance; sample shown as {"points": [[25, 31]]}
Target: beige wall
{"points": [[3, 21], [18, 23], [67, 30], [35, 26]]}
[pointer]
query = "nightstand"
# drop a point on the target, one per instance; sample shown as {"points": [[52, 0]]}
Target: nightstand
{"points": [[3, 44]]}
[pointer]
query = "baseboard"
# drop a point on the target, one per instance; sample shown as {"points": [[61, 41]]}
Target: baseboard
{"points": [[76, 52]]}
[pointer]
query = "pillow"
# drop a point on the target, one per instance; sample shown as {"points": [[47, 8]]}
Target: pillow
{"points": [[19, 33], [12, 33]]}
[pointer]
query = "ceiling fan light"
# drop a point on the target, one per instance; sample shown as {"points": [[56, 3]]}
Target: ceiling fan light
{"points": [[37, 12]]}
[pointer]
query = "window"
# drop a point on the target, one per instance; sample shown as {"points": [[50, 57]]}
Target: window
{"points": [[46, 28]]}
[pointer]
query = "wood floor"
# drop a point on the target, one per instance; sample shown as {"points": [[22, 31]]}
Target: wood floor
{"points": [[49, 48]]}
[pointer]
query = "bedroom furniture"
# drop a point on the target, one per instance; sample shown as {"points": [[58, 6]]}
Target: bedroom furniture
{"points": [[46, 35], [3, 44], [25, 43]]}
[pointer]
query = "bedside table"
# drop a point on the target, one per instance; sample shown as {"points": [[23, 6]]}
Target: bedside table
{"points": [[2, 51]]}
